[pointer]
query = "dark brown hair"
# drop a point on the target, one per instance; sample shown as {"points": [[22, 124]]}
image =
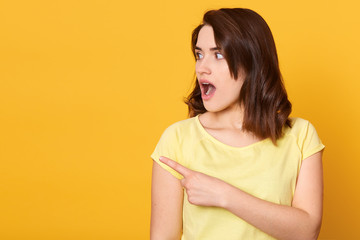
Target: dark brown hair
{"points": [[248, 45]]}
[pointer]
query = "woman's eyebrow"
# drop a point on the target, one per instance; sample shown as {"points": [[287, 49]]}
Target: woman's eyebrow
{"points": [[211, 49]]}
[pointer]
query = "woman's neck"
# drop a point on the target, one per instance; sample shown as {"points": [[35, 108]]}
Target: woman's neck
{"points": [[230, 118]]}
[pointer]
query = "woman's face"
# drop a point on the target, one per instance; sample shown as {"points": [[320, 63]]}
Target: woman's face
{"points": [[219, 90]]}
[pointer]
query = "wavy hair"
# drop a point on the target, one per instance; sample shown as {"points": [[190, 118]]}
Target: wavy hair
{"points": [[248, 45]]}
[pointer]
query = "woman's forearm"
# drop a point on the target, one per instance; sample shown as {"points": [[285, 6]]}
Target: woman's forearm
{"points": [[301, 220], [279, 221]]}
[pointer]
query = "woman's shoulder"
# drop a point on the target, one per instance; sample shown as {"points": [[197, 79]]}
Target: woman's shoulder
{"points": [[299, 127], [181, 126], [305, 135], [297, 122]]}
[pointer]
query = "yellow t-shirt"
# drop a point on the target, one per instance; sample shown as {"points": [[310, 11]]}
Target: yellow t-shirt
{"points": [[261, 169]]}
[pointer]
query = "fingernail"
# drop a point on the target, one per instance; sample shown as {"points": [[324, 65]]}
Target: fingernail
{"points": [[161, 158]]}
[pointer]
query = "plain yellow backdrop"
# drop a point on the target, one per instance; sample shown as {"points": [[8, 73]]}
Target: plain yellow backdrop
{"points": [[88, 87]]}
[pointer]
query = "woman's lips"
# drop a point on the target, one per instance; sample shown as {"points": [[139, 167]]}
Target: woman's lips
{"points": [[207, 97], [207, 89]]}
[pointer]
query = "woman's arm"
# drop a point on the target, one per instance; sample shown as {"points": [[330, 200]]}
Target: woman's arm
{"points": [[300, 221], [166, 205]]}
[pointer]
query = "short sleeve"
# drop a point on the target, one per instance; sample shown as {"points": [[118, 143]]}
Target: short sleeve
{"points": [[168, 146], [310, 141]]}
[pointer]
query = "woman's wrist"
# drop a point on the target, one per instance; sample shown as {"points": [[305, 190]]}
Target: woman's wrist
{"points": [[227, 196]]}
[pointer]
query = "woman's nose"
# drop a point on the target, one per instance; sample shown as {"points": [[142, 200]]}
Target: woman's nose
{"points": [[203, 66]]}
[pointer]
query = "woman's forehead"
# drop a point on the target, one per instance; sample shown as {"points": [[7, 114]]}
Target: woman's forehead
{"points": [[206, 39]]}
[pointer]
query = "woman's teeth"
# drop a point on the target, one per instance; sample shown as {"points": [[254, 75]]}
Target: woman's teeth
{"points": [[209, 90]]}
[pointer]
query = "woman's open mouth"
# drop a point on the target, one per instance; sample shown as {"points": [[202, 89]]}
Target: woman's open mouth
{"points": [[207, 90]]}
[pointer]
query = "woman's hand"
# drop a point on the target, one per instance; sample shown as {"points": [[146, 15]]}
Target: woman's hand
{"points": [[201, 189], [301, 220]]}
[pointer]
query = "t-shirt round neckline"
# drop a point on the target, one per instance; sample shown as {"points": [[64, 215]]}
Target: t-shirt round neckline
{"points": [[216, 141]]}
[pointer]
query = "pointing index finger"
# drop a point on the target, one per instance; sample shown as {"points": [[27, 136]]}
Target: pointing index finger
{"points": [[176, 166]]}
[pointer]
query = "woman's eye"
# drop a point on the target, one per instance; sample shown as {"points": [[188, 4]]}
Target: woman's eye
{"points": [[219, 56], [199, 56]]}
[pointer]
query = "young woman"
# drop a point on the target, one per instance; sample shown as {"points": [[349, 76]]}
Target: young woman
{"points": [[239, 167]]}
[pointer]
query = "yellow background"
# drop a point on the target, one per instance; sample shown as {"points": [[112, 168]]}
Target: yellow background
{"points": [[87, 88]]}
